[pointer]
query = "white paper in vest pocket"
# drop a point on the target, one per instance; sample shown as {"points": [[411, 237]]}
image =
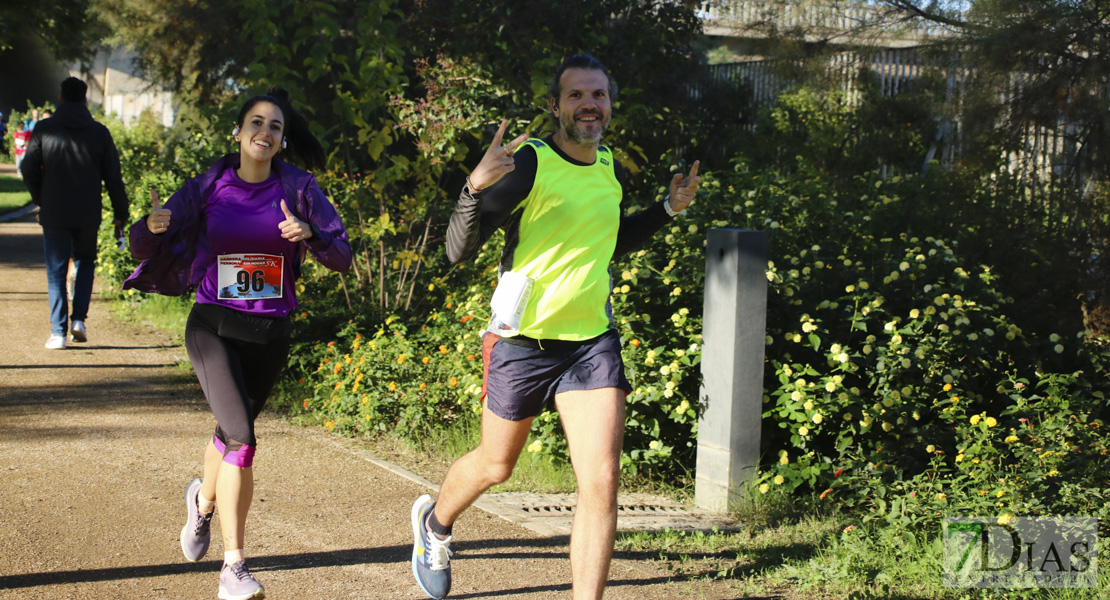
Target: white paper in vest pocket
{"points": [[509, 301]]}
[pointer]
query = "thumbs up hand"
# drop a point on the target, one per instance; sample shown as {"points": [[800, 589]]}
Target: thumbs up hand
{"points": [[292, 228], [159, 219]]}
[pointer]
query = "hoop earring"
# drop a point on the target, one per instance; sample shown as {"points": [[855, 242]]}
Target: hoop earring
{"points": [[235, 131], [283, 144]]}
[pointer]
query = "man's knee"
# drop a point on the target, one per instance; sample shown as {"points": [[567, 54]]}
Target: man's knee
{"points": [[600, 486], [497, 473]]}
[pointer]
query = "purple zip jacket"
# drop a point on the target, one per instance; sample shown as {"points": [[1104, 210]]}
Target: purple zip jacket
{"points": [[174, 261]]}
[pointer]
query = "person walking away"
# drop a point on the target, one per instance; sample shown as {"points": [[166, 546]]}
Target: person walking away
{"points": [[558, 200], [68, 158], [239, 233]]}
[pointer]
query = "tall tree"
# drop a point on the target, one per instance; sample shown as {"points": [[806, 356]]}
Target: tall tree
{"points": [[68, 27]]}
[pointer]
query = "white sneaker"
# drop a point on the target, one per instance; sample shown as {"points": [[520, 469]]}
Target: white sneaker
{"points": [[77, 331], [56, 342]]}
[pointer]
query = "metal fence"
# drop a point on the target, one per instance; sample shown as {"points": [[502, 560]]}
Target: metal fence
{"points": [[1050, 157]]}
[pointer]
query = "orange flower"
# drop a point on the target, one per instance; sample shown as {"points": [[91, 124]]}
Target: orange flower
{"points": [[425, 360], [453, 382], [826, 493], [306, 402], [449, 305], [358, 335], [466, 318], [470, 357], [331, 343], [423, 385], [392, 386], [635, 343], [301, 380], [338, 367], [443, 349]]}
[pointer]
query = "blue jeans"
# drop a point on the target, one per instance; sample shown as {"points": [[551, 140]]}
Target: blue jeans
{"points": [[61, 243]]}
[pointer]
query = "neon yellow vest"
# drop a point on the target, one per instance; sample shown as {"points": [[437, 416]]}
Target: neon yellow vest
{"points": [[567, 234]]}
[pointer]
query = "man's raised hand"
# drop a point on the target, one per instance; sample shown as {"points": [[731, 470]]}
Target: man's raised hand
{"points": [[683, 189], [159, 219], [497, 161]]}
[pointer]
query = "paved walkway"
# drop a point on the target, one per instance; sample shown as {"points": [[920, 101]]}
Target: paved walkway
{"points": [[98, 441]]}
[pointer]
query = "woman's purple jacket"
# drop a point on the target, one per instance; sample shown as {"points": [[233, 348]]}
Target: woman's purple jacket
{"points": [[175, 261]]}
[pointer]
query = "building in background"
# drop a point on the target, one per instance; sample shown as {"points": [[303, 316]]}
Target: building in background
{"points": [[115, 86]]}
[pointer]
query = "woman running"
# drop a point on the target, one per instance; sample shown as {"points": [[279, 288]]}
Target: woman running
{"points": [[239, 233]]}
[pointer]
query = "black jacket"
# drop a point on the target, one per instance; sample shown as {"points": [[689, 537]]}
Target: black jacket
{"points": [[68, 157]]}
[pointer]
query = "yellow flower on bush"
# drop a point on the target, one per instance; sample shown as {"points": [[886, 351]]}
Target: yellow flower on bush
{"points": [[535, 447], [443, 349], [764, 488], [817, 418], [330, 425], [1011, 439], [803, 431], [975, 419], [392, 386], [1005, 519], [930, 448], [423, 385], [779, 479], [426, 360], [453, 381], [991, 422], [401, 359], [784, 460]]}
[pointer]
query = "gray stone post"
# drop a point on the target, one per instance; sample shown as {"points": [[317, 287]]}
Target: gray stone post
{"points": [[733, 338]]}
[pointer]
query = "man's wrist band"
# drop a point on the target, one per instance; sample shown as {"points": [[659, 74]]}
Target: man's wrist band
{"points": [[470, 187]]}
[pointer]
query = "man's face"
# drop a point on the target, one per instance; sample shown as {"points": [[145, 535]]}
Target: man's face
{"points": [[584, 107]]}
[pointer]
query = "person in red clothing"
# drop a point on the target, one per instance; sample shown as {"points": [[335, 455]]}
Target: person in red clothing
{"points": [[21, 136]]}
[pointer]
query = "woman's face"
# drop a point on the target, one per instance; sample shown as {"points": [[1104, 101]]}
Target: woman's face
{"points": [[261, 132]]}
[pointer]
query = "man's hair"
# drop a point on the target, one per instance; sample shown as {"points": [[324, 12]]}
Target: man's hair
{"points": [[580, 61], [73, 90]]}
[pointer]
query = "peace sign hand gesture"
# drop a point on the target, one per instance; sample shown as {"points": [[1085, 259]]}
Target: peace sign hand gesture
{"points": [[497, 161], [683, 189]]}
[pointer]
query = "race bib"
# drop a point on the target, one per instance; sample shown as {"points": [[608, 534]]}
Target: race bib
{"points": [[250, 276]]}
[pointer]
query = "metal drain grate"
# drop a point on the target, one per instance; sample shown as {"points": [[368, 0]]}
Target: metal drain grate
{"points": [[553, 514]]}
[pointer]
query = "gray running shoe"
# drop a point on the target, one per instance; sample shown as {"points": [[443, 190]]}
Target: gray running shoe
{"points": [[197, 532], [431, 556], [237, 583]]}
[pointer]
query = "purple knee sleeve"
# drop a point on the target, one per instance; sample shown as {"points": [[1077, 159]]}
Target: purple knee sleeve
{"points": [[243, 457]]}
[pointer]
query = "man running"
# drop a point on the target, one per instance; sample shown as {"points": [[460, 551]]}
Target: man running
{"points": [[558, 200]]}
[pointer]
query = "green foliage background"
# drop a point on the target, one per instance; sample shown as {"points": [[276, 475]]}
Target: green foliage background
{"points": [[926, 354]]}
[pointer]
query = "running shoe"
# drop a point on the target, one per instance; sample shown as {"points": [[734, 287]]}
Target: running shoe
{"points": [[431, 556], [237, 583], [56, 342], [78, 332], [197, 532]]}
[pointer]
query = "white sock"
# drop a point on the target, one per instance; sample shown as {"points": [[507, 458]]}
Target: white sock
{"points": [[204, 505], [233, 556]]}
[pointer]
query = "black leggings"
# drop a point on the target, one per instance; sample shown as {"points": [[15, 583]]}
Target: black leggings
{"points": [[236, 376]]}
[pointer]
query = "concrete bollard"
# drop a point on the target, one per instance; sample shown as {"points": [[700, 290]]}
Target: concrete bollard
{"points": [[733, 340]]}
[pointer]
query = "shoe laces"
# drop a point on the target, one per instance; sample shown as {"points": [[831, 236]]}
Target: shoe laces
{"points": [[439, 552], [203, 523], [240, 570]]}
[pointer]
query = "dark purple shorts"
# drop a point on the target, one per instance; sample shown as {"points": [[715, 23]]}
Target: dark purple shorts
{"points": [[520, 379]]}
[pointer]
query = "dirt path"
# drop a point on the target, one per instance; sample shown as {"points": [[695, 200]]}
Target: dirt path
{"points": [[97, 442]]}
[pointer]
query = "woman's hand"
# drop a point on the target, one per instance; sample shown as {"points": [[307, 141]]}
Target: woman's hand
{"points": [[159, 219], [292, 228]]}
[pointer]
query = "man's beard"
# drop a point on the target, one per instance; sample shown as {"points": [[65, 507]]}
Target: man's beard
{"points": [[569, 125]]}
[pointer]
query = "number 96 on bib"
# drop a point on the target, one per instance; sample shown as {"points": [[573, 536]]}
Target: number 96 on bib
{"points": [[250, 276]]}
